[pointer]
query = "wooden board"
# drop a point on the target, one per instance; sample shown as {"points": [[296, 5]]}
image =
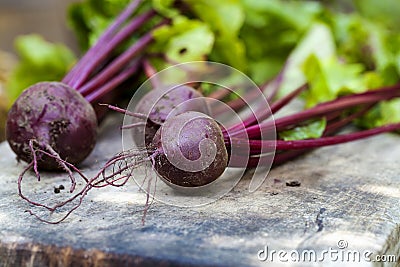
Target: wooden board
{"points": [[348, 197]]}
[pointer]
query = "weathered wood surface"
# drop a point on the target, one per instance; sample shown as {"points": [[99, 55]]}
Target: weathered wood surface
{"points": [[349, 192]]}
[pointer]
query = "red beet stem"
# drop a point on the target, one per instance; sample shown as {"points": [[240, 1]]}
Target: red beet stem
{"points": [[286, 155], [264, 113], [337, 125], [323, 110], [113, 82], [104, 52], [116, 65], [106, 37], [338, 139], [256, 146]]}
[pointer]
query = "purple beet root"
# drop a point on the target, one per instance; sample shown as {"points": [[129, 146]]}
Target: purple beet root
{"points": [[190, 150], [161, 103], [55, 118]]}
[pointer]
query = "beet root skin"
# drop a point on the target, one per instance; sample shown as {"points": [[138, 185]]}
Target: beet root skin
{"points": [[52, 114], [196, 137], [161, 103]]}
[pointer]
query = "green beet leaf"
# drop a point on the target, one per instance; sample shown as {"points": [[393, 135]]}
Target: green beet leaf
{"points": [[330, 78], [184, 40], [314, 129], [39, 61]]}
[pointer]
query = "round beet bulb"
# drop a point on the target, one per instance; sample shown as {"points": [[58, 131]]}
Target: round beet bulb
{"points": [[160, 103], [190, 150], [56, 117]]}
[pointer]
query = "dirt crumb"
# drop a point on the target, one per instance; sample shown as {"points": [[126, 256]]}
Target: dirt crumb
{"points": [[293, 183]]}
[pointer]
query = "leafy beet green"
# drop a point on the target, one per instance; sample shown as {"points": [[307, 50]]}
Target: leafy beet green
{"points": [[48, 62]]}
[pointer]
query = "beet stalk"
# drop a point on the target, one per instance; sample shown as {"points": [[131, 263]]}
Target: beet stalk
{"points": [[332, 110]]}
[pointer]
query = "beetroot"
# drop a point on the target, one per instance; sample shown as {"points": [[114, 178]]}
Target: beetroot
{"points": [[56, 117], [190, 150], [162, 102]]}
